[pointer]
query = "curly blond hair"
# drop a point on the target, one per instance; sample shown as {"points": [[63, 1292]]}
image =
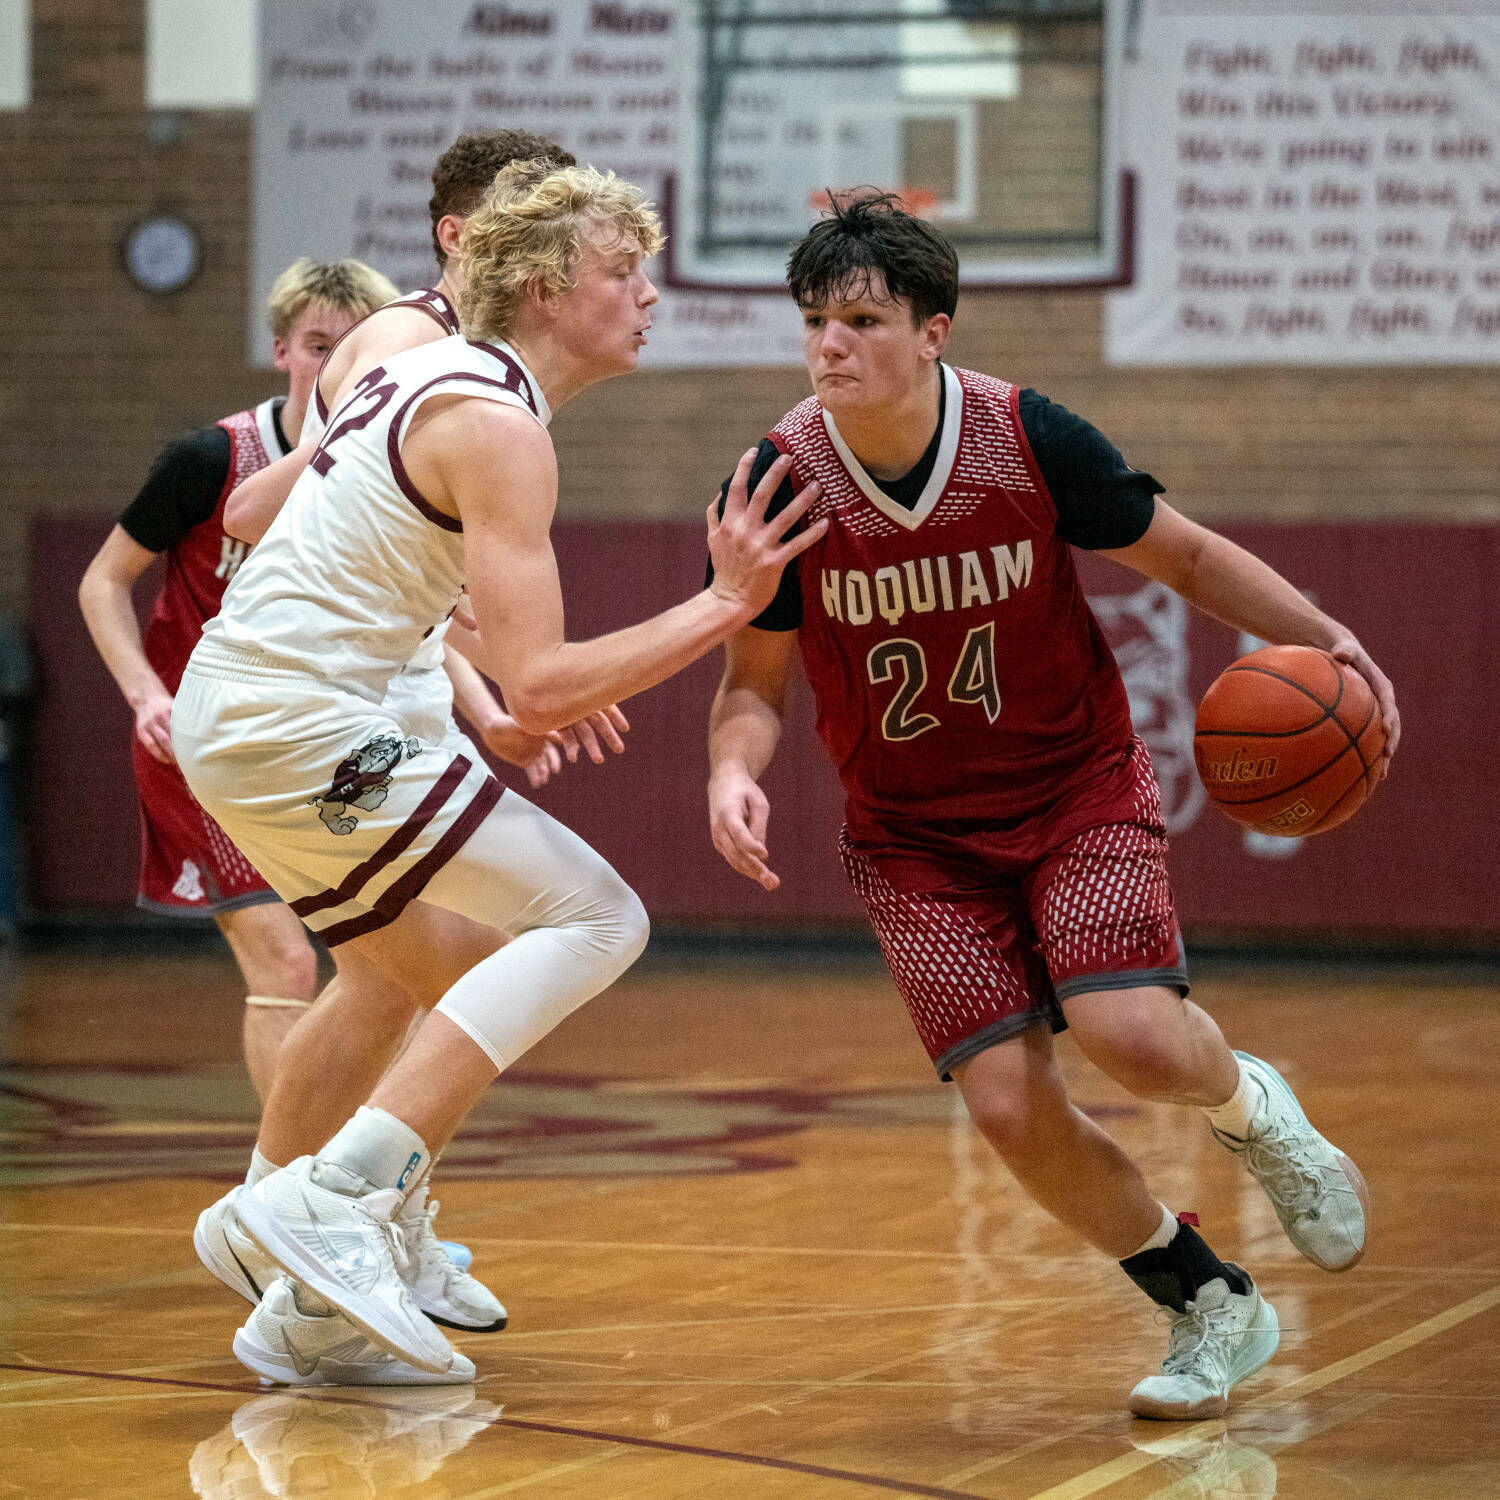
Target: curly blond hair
{"points": [[532, 227], [343, 285]]}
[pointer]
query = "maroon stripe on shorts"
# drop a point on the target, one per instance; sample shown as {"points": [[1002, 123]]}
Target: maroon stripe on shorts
{"points": [[341, 932], [411, 884], [393, 847]]}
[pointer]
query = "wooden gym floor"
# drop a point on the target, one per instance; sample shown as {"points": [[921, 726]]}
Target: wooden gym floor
{"points": [[751, 1249]]}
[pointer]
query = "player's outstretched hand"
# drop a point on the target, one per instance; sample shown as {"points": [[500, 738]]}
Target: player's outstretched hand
{"points": [[594, 734], [738, 813], [750, 551], [542, 756], [153, 727], [1350, 650]]}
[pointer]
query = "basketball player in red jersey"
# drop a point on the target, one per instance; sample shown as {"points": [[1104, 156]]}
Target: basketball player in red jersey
{"points": [[188, 866], [1003, 825]]}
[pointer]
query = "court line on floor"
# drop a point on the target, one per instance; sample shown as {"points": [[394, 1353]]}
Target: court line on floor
{"points": [[557, 1429], [676, 1247], [566, 1244], [810, 1389], [990, 1465], [1107, 1474]]}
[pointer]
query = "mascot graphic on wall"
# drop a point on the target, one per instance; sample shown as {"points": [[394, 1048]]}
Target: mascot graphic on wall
{"points": [[1147, 631], [363, 780]]}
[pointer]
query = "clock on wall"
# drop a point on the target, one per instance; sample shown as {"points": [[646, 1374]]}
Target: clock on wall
{"points": [[161, 253]]}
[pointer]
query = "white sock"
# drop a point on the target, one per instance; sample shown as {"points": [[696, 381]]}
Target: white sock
{"points": [[259, 1168], [372, 1151], [1234, 1116], [1165, 1233]]}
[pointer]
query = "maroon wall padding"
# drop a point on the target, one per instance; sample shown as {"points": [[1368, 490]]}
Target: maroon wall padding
{"points": [[1417, 861]]}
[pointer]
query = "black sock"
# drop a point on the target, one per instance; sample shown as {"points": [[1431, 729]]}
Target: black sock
{"points": [[1171, 1277]]}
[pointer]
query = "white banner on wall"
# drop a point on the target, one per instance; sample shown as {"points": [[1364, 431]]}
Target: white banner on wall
{"points": [[1319, 183], [359, 97]]}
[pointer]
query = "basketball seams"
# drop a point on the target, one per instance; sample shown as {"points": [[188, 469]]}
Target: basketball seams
{"points": [[1334, 805], [1331, 804], [1359, 734], [1330, 710]]}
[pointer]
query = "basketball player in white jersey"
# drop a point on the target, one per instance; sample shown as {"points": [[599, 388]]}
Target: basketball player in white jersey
{"points": [[434, 473], [332, 1061]]}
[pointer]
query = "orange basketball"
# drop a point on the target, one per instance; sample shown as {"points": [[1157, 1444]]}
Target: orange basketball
{"points": [[1288, 741]]}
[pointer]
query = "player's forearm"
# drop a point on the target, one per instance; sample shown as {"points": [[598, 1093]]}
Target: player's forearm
{"points": [[471, 697], [743, 732], [1239, 589], [255, 502], [577, 678], [116, 633]]}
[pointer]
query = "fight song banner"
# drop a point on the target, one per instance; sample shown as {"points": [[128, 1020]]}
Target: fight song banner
{"points": [[357, 100], [1318, 180]]}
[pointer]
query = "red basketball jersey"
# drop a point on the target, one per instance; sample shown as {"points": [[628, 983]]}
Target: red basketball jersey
{"points": [[958, 670], [200, 564]]}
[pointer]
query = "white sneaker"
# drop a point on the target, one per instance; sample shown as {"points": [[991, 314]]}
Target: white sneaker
{"points": [[446, 1293], [230, 1253], [342, 1248], [1317, 1192], [1220, 1340], [286, 1344]]}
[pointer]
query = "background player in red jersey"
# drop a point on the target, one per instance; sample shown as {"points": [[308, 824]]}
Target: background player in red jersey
{"points": [[1003, 825], [335, 1056], [188, 866]]}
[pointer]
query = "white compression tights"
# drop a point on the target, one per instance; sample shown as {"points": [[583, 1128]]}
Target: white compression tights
{"points": [[574, 926]]}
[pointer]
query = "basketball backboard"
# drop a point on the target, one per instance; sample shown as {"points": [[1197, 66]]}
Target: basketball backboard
{"points": [[994, 118]]}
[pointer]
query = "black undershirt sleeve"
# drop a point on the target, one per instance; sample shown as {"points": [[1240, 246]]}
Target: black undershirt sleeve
{"points": [[1101, 501], [784, 612], [181, 490]]}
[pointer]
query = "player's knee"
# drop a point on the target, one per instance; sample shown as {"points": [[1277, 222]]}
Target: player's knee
{"points": [[1148, 1064], [299, 966], [619, 925], [1015, 1099], [285, 965], [1010, 1124]]}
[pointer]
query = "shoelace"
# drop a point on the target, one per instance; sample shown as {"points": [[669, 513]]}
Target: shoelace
{"points": [[400, 1246], [1285, 1172], [1191, 1350], [421, 1237]]}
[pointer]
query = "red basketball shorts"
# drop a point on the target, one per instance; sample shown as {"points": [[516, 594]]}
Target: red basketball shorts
{"points": [[188, 864], [989, 928]]}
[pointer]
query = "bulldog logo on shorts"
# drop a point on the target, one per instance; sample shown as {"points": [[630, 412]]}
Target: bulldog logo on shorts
{"points": [[363, 780]]}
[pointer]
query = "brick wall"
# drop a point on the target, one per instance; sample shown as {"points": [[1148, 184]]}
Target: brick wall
{"points": [[95, 376]]}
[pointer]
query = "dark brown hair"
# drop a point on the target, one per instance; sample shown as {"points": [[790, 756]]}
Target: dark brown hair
{"points": [[464, 172], [868, 232]]}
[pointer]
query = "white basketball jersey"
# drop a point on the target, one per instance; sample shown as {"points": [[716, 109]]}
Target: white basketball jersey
{"points": [[358, 569], [428, 657]]}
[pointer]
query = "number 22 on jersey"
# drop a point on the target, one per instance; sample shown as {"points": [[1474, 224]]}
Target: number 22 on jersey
{"points": [[373, 395]]}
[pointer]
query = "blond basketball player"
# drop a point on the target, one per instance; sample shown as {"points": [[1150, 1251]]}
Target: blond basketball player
{"points": [[434, 473], [330, 1062]]}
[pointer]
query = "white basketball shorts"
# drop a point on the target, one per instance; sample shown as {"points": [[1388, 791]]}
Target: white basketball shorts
{"points": [[342, 808]]}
